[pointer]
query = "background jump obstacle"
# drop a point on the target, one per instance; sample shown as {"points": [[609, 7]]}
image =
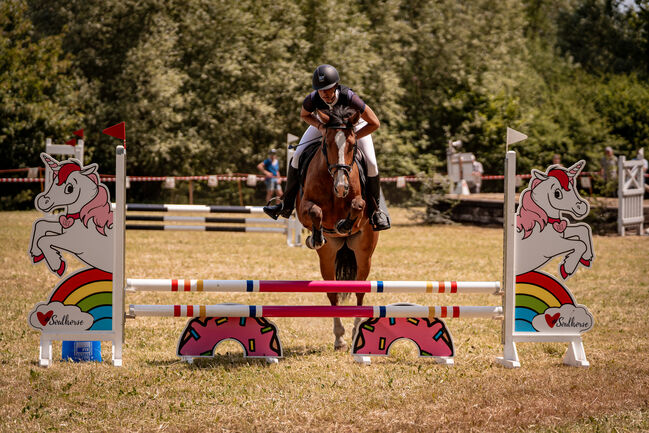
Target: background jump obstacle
{"points": [[290, 227], [247, 324]]}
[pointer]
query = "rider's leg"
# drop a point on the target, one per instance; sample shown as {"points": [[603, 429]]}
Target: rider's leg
{"points": [[285, 208], [379, 216]]}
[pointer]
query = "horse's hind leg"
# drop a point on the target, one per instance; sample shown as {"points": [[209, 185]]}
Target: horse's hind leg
{"points": [[339, 329], [363, 245], [327, 256]]}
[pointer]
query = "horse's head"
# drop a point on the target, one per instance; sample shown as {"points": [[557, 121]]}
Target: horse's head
{"points": [[72, 186], [339, 145], [555, 191]]}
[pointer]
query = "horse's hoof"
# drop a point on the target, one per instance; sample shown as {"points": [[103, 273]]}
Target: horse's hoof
{"points": [[585, 262], [342, 347], [61, 269], [310, 243], [344, 227], [38, 258]]}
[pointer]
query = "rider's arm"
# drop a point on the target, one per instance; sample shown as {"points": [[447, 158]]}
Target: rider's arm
{"points": [[311, 119], [372, 122]]}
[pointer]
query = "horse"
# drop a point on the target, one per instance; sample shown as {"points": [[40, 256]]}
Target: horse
{"points": [[331, 205], [84, 228], [542, 233]]}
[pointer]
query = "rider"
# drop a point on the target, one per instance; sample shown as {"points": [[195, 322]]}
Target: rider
{"points": [[329, 93]]}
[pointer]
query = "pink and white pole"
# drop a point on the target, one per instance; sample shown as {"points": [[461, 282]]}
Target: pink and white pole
{"points": [[180, 285], [393, 310]]}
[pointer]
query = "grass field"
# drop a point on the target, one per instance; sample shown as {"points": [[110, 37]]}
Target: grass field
{"points": [[314, 388]]}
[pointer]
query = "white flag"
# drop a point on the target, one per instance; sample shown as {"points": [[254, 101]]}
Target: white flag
{"points": [[290, 138], [513, 136]]}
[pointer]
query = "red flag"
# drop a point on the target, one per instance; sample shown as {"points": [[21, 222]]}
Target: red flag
{"points": [[117, 131], [79, 133], [72, 142]]}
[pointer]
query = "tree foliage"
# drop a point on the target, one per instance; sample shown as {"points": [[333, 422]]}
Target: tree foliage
{"points": [[207, 86]]}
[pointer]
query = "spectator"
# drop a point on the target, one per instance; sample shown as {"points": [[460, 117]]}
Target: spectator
{"points": [[476, 174], [270, 169], [556, 160], [609, 171]]}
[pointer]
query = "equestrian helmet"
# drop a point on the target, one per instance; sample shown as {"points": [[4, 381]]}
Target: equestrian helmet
{"points": [[325, 77]]}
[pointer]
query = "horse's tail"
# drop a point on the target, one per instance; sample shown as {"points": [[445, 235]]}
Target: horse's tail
{"points": [[345, 265]]}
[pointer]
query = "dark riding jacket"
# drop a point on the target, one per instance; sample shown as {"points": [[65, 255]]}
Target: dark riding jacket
{"points": [[346, 98]]}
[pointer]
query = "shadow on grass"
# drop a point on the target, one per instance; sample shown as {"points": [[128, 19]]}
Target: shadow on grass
{"points": [[237, 360]]}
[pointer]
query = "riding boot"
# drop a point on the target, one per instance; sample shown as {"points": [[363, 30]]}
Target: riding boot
{"points": [[380, 218], [286, 206]]}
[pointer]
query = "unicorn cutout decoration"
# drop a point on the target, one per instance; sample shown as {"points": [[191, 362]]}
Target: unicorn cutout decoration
{"points": [[84, 226], [542, 232]]}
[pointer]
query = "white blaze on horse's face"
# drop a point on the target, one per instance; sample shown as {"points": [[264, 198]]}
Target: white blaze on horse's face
{"points": [[341, 186]]}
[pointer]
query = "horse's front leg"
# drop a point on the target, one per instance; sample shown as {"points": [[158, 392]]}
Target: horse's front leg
{"points": [[41, 228], [316, 240], [582, 233], [344, 227]]}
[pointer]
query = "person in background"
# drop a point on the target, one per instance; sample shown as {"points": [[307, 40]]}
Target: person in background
{"points": [[556, 160], [269, 167], [476, 173], [609, 171]]}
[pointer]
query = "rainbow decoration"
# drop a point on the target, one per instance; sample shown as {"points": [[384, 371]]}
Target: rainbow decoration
{"points": [[92, 291], [535, 293]]}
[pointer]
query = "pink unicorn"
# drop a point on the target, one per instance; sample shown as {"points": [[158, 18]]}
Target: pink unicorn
{"points": [[83, 228], [542, 233]]}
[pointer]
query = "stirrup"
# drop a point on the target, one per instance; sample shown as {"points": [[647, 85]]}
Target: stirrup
{"points": [[274, 210], [377, 224]]}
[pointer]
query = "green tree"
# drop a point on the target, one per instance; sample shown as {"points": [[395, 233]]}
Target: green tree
{"points": [[40, 93]]}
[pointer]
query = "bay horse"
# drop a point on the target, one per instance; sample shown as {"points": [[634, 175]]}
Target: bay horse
{"points": [[331, 205]]}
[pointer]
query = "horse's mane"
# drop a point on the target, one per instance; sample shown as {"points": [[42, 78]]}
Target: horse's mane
{"points": [[530, 213], [99, 209], [338, 115]]}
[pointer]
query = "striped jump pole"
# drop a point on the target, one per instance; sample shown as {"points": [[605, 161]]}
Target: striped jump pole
{"points": [[178, 285], [387, 311], [205, 228], [141, 207], [202, 219]]}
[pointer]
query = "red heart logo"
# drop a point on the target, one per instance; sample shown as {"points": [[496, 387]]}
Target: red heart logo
{"points": [[44, 318], [552, 320]]}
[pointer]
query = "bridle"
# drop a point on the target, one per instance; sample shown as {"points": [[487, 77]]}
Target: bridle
{"points": [[333, 168]]}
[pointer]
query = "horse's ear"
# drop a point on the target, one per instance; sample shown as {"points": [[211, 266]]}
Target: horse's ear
{"points": [[354, 118], [324, 117], [576, 168]]}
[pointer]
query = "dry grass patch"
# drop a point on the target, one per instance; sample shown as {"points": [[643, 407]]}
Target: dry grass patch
{"points": [[314, 388]]}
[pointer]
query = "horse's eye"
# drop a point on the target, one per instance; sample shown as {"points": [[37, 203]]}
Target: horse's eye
{"points": [[558, 194], [68, 189]]}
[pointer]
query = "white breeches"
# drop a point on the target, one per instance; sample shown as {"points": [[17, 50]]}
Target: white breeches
{"points": [[365, 144]]}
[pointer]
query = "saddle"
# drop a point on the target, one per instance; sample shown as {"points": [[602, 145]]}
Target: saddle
{"points": [[309, 152]]}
